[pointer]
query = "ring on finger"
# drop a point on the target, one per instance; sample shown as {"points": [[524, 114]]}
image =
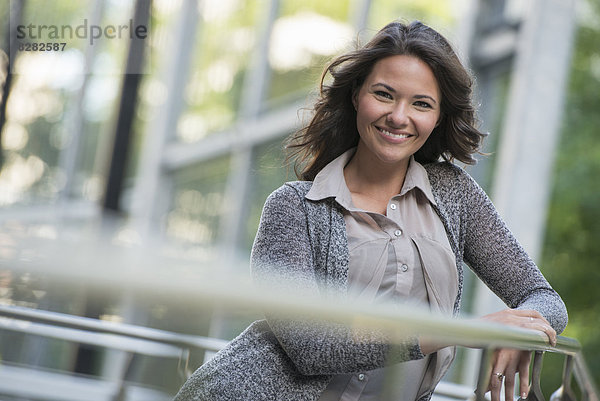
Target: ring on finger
{"points": [[500, 376]]}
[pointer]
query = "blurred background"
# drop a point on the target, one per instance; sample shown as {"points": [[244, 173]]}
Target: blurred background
{"points": [[115, 188]]}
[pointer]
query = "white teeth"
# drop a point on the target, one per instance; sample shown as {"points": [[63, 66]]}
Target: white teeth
{"points": [[387, 133]]}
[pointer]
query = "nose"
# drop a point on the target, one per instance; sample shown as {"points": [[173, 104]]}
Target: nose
{"points": [[398, 116]]}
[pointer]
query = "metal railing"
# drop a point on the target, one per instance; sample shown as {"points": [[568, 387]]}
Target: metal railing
{"points": [[141, 340], [133, 340], [146, 270]]}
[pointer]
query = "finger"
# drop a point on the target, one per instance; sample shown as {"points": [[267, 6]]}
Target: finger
{"points": [[510, 375], [546, 329], [535, 315], [526, 313], [509, 386], [551, 333], [494, 363], [532, 315], [538, 322], [524, 374], [496, 384], [497, 376]]}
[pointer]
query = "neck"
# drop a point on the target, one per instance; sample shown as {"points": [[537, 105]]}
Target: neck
{"points": [[368, 175]]}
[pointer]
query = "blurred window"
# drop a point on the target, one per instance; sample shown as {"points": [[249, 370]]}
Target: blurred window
{"points": [[224, 44], [268, 173], [298, 50], [58, 103], [198, 204]]}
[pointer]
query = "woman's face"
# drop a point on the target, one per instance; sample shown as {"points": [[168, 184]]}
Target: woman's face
{"points": [[397, 108]]}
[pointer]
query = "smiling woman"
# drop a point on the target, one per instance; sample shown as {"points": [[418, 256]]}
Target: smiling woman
{"points": [[397, 108], [381, 214], [454, 135]]}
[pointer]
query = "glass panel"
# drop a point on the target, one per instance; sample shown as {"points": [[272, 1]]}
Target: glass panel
{"points": [[197, 208], [153, 88], [304, 37], [491, 13], [493, 84], [48, 107], [4, 17], [225, 41], [26, 285], [268, 173]]}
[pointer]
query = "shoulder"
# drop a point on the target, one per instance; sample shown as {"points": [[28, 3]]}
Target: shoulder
{"points": [[292, 189], [300, 187], [447, 178], [289, 202], [445, 172], [292, 192]]}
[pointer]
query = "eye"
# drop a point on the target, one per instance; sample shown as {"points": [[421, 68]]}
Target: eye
{"points": [[383, 94], [420, 103]]}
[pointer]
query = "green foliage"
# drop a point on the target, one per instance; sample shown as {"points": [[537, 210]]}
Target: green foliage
{"points": [[571, 254], [338, 9], [437, 13]]}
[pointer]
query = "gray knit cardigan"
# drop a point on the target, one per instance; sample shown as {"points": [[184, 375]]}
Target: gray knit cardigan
{"points": [[275, 359]]}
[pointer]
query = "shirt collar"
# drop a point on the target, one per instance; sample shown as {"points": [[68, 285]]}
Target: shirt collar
{"points": [[416, 177], [330, 181]]}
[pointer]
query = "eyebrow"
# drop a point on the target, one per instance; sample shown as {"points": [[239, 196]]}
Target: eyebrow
{"points": [[389, 88]]}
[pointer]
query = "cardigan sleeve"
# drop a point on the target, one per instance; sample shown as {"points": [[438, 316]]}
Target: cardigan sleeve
{"points": [[281, 259], [494, 254]]}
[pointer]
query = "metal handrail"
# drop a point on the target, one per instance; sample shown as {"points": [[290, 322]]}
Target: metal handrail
{"points": [[465, 332], [111, 335], [229, 288], [213, 286], [111, 341], [122, 329]]}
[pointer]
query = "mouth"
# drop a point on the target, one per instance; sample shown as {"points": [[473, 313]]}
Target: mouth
{"points": [[394, 135]]}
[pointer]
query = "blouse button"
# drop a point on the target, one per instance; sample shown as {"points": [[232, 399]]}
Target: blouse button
{"points": [[404, 268], [361, 376], [393, 206], [398, 233]]}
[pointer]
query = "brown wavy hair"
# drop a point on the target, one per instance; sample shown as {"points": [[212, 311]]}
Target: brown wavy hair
{"points": [[332, 129]]}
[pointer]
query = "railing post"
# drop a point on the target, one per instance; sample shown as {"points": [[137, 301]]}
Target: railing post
{"points": [[565, 392], [121, 392], [485, 370], [535, 392], [589, 392], [183, 367]]}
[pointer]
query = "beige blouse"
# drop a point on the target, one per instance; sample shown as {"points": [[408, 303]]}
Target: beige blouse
{"points": [[402, 256]]}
